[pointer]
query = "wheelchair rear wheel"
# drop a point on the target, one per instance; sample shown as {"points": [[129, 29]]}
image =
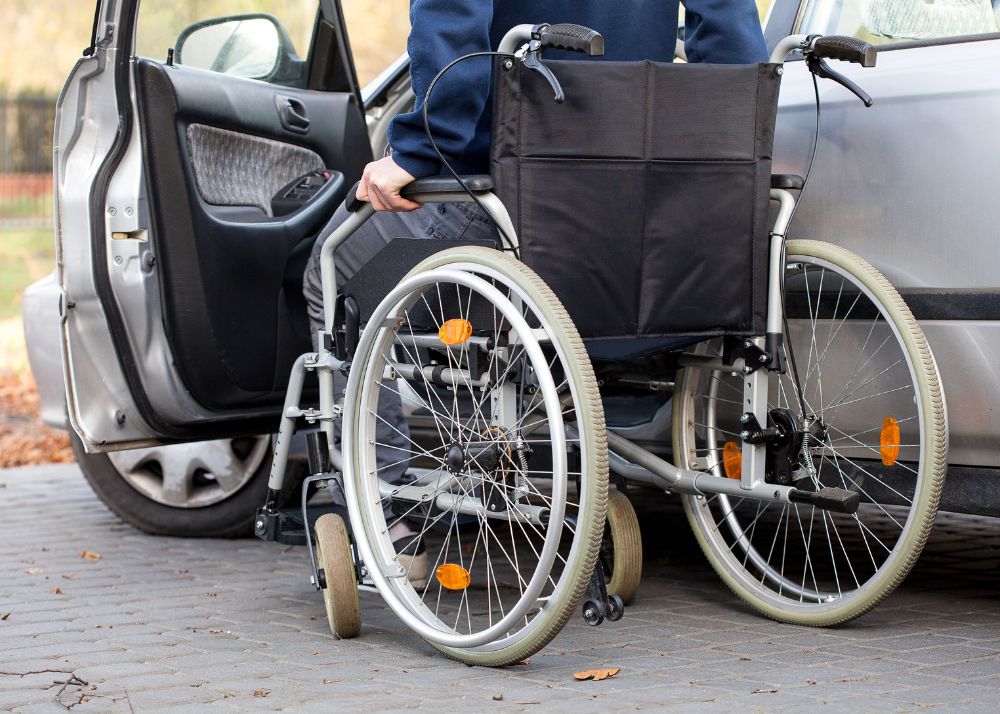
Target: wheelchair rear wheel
{"points": [[877, 426], [480, 348]]}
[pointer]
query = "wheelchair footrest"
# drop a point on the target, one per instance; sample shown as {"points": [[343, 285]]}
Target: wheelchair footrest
{"points": [[286, 525], [838, 500]]}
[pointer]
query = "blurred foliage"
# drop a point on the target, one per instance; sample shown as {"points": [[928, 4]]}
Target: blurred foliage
{"points": [[44, 38]]}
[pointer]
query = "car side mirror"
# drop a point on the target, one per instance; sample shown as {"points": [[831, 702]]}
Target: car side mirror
{"points": [[253, 45]]}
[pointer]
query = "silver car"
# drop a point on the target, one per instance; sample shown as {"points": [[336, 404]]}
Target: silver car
{"points": [[190, 190]]}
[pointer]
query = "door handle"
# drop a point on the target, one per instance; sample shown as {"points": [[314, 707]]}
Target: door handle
{"points": [[292, 114]]}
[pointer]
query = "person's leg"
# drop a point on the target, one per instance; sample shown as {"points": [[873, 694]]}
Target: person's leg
{"points": [[350, 257], [445, 221]]}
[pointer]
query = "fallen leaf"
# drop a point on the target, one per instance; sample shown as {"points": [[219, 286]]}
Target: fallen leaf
{"points": [[58, 591], [744, 659], [763, 691], [4, 616], [498, 697], [810, 681], [68, 577], [261, 692], [331, 681], [596, 674], [34, 571], [228, 695], [89, 555]]}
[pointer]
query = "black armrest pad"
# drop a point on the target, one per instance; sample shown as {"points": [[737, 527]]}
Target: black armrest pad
{"points": [[787, 181], [447, 184], [431, 184]]}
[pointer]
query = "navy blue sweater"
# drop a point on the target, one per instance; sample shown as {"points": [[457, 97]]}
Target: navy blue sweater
{"points": [[720, 31]]}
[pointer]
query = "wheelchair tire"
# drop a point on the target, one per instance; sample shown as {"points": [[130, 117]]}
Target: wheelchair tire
{"points": [[508, 604], [799, 564], [340, 596], [625, 562]]}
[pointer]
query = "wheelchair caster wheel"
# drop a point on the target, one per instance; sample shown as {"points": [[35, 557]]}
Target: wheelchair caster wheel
{"points": [[616, 608], [593, 612], [623, 565], [340, 586]]}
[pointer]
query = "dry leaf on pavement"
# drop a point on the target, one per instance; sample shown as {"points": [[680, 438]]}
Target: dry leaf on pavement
{"points": [[596, 674], [34, 571], [261, 692], [763, 691], [89, 555], [58, 591]]}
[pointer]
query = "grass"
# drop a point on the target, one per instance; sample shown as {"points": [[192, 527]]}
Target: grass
{"points": [[39, 206], [26, 255]]}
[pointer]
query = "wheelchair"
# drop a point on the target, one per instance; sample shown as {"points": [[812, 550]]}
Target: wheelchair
{"points": [[809, 458]]}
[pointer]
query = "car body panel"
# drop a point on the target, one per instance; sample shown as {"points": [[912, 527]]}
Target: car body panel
{"points": [[129, 376], [908, 185]]}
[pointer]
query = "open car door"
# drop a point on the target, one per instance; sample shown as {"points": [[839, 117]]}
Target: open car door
{"points": [[189, 193]]}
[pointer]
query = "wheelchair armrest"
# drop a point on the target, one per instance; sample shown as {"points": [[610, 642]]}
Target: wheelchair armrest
{"points": [[431, 184]]}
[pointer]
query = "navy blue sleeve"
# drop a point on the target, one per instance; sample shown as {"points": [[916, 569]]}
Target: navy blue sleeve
{"points": [[723, 31], [443, 30]]}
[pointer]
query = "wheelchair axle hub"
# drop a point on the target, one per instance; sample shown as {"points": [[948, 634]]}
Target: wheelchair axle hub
{"points": [[480, 457]]}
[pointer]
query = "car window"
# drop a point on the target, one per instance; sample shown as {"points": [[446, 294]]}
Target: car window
{"points": [[893, 21], [377, 30], [260, 39]]}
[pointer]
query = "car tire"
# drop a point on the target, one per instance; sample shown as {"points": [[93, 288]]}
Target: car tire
{"points": [[228, 516]]}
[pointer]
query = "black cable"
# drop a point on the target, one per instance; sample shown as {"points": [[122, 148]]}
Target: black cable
{"points": [[427, 130], [784, 312]]}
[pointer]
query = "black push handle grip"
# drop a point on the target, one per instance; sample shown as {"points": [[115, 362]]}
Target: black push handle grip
{"points": [[848, 49], [575, 38]]}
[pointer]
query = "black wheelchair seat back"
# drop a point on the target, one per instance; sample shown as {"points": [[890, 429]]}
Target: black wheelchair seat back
{"points": [[642, 199]]}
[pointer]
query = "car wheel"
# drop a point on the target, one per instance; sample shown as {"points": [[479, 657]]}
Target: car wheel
{"points": [[201, 489]]}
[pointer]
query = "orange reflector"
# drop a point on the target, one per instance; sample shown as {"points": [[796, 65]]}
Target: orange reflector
{"points": [[455, 332], [889, 441], [453, 576], [732, 459]]}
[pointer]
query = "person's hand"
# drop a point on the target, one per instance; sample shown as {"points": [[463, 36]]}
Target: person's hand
{"points": [[381, 183]]}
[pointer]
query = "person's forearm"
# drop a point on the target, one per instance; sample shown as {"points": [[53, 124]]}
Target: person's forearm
{"points": [[442, 31]]}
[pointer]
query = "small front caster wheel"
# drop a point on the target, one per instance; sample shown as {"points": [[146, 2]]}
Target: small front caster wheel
{"points": [[623, 564], [340, 593], [593, 612], [616, 608]]}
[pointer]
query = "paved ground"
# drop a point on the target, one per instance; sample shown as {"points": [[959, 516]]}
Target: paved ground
{"points": [[162, 623]]}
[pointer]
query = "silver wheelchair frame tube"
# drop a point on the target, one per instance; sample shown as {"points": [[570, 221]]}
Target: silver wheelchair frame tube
{"points": [[324, 362], [633, 461]]}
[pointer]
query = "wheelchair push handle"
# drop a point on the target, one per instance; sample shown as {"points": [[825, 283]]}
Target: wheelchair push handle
{"points": [[564, 36], [847, 49]]}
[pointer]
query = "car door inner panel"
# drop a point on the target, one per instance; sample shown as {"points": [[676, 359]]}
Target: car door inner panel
{"points": [[239, 192]]}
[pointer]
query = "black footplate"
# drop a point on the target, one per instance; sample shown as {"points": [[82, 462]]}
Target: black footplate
{"points": [[838, 500], [287, 526]]}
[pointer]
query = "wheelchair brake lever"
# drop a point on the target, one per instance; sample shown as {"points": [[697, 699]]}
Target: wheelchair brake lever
{"points": [[821, 69], [532, 60]]}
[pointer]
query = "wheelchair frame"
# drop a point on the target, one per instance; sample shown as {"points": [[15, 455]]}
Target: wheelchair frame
{"points": [[628, 459]]}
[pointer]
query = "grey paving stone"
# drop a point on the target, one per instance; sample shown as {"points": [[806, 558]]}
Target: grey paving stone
{"points": [[190, 626]]}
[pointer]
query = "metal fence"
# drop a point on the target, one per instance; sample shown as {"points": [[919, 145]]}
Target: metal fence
{"points": [[26, 161]]}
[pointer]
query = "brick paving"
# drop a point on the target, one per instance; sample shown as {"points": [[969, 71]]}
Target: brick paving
{"points": [[170, 624]]}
